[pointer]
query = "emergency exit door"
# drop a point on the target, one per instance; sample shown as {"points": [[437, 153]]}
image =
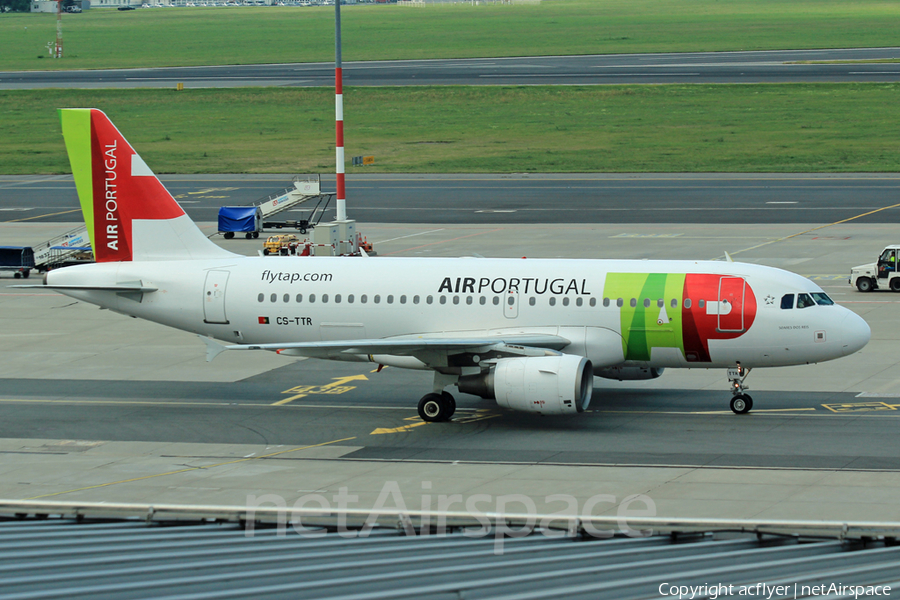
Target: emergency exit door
{"points": [[731, 304], [214, 297]]}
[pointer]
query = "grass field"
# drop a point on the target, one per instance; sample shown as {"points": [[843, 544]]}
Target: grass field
{"points": [[106, 38], [690, 128]]}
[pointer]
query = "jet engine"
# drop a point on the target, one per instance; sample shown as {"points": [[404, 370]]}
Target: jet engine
{"points": [[549, 385], [629, 373]]}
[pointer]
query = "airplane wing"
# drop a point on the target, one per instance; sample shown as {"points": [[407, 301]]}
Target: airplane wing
{"points": [[430, 349]]}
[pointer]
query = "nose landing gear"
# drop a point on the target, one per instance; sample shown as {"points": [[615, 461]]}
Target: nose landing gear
{"points": [[741, 403]]}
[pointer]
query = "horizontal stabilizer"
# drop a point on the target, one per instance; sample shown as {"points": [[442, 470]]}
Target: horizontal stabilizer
{"points": [[121, 287]]}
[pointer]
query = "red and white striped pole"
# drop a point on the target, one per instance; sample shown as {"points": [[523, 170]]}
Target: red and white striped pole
{"points": [[341, 204]]}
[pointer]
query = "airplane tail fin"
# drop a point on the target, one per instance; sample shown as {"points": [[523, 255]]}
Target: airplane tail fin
{"points": [[129, 214]]}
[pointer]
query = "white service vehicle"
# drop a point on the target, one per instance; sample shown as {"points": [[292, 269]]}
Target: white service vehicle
{"points": [[879, 275]]}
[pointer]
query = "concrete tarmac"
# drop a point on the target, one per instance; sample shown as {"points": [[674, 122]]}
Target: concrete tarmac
{"points": [[95, 406]]}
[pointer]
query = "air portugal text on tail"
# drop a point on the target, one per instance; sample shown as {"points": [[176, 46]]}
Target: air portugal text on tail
{"points": [[531, 334], [119, 194]]}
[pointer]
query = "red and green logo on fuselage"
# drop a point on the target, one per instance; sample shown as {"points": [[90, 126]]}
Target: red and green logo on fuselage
{"points": [[684, 311]]}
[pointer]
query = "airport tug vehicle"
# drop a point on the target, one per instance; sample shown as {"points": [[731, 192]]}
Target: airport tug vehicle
{"points": [[879, 275]]}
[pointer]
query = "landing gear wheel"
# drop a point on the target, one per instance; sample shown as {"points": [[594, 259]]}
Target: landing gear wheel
{"points": [[450, 401], [864, 284], [895, 284], [434, 408], [741, 404]]}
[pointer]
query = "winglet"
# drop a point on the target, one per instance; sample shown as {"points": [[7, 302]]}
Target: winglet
{"points": [[213, 348], [728, 257]]}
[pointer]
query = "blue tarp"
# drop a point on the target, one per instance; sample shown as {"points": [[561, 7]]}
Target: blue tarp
{"points": [[239, 218]]}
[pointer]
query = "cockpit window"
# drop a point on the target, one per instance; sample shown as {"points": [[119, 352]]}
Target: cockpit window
{"points": [[804, 301], [822, 299], [787, 301]]}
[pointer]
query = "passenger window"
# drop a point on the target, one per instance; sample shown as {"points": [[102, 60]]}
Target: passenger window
{"points": [[496, 300], [674, 303], [606, 302], [429, 299], [565, 301], [594, 301], [363, 299], [701, 303], [337, 298], [646, 302], [376, 299], [804, 301], [286, 298], [579, 301], [531, 301], [620, 302], [261, 297], [822, 299], [633, 302], [350, 298], [552, 301], [469, 300], [273, 298], [443, 299], [324, 297], [390, 299], [300, 298], [687, 302], [312, 298], [455, 299], [402, 299], [415, 299], [787, 301]]}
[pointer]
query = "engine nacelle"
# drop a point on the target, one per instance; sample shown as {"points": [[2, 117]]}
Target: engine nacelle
{"points": [[549, 385], [629, 373]]}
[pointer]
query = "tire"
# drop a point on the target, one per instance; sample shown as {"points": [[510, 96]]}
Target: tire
{"points": [[433, 408], [741, 404], [895, 284], [248, 236], [864, 284], [228, 235], [450, 401], [26, 274], [303, 231], [265, 251], [17, 275], [255, 235]]}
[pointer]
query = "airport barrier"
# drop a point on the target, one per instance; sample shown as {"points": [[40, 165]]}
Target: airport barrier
{"points": [[350, 519]]}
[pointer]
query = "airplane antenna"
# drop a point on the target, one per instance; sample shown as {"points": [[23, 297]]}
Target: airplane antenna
{"points": [[341, 199]]}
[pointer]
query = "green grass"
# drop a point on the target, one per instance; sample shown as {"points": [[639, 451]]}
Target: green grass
{"points": [[689, 128], [105, 38]]}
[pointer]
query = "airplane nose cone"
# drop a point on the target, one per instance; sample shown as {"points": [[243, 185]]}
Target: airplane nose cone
{"points": [[855, 333]]}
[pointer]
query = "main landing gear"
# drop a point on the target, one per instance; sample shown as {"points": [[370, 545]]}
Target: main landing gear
{"points": [[438, 405], [741, 403]]}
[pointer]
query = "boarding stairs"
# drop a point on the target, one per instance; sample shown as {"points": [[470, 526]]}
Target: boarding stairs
{"points": [[303, 190], [69, 248]]}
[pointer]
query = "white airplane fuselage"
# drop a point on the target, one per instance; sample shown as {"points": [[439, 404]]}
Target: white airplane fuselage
{"points": [[660, 313]]}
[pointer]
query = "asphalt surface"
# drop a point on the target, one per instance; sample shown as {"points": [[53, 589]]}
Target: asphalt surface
{"points": [[624, 427], [781, 66], [517, 199]]}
